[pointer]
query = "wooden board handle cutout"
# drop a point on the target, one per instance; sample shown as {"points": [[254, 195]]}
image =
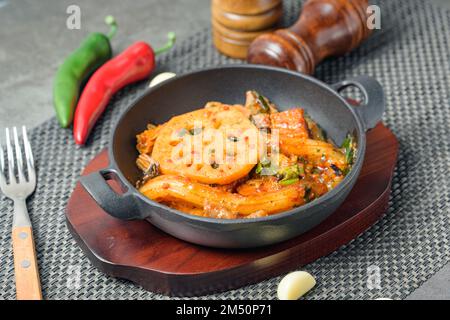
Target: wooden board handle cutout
{"points": [[28, 285], [325, 28]]}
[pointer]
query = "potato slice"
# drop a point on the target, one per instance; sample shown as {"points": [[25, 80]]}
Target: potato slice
{"points": [[216, 145], [175, 189], [315, 150], [259, 186]]}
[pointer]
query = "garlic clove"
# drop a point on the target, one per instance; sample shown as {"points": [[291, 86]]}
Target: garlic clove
{"points": [[161, 78], [295, 285]]}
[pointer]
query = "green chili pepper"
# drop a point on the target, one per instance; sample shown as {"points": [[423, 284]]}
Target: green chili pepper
{"points": [[93, 52]]}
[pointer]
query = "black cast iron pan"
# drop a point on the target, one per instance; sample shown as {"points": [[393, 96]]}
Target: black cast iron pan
{"points": [[188, 92]]}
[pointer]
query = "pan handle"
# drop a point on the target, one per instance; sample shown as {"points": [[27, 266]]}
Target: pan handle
{"points": [[372, 109], [122, 206]]}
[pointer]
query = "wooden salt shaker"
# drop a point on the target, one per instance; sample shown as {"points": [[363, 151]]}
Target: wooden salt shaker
{"points": [[236, 23], [325, 28]]}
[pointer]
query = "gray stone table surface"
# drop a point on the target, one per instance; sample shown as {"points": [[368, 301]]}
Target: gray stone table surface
{"points": [[34, 38]]}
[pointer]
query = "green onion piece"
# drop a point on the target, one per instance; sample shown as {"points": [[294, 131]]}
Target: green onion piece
{"points": [[349, 156], [347, 145], [262, 102], [289, 182], [259, 168], [290, 174]]}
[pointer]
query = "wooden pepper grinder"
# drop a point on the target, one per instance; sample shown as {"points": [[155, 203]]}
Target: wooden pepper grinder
{"points": [[325, 28], [236, 23]]}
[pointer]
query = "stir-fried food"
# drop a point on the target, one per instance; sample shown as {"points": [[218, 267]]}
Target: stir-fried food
{"points": [[233, 161]]}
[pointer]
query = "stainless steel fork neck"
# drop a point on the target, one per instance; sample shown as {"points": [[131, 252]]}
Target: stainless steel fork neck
{"points": [[21, 216]]}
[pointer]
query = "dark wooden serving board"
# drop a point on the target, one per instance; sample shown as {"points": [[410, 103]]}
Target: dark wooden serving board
{"points": [[137, 251]]}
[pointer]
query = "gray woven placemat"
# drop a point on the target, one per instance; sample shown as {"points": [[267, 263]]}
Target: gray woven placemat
{"points": [[410, 56]]}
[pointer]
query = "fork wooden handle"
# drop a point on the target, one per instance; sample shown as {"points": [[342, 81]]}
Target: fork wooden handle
{"points": [[28, 286]]}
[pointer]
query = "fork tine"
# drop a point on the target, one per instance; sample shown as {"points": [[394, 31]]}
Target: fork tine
{"points": [[19, 156], [11, 164], [29, 156], [2, 168]]}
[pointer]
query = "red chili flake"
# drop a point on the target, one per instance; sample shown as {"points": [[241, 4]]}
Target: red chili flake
{"points": [[166, 186]]}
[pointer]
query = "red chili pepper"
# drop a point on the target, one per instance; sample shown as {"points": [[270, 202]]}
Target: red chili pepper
{"points": [[134, 64]]}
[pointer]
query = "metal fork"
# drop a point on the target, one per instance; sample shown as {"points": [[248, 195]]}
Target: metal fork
{"points": [[18, 188]]}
